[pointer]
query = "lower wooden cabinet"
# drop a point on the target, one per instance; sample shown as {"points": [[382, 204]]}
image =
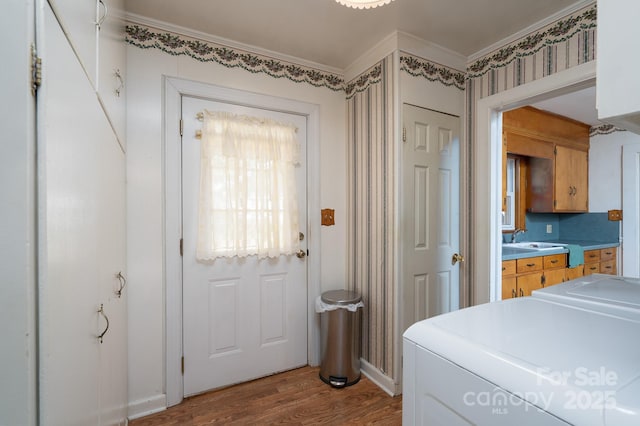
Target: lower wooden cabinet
{"points": [[601, 261], [521, 276]]}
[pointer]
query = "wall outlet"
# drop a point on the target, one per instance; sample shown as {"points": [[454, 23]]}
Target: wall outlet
{"points": [[549, 229]]}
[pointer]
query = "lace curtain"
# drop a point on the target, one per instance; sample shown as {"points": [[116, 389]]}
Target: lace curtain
{"points": [[248, 203]]}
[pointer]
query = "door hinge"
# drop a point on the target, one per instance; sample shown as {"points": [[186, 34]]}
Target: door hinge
{"points": [[181, 246], [36, 70], [181, 126], [404, 134], [182, 365], [555, 150]]}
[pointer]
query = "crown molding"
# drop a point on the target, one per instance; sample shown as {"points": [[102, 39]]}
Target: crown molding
{"points": [[133, 18], [530, 29]]}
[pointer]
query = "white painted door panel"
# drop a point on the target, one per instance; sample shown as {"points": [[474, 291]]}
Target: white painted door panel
{"points": [[111, 65], [82, 246], [243, 318], [631, 210], [78, 19], [430, 213]]}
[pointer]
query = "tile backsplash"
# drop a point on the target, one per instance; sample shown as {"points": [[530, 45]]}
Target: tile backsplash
{"points": [[569, 227]]}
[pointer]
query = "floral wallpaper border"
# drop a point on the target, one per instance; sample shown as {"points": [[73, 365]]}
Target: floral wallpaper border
{"points": [[604, 129], [419, 67], [173, 44], [555, 33], [361, 83]]}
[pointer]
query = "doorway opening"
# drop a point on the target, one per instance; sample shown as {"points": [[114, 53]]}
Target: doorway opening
{"points": [[487, 172]]}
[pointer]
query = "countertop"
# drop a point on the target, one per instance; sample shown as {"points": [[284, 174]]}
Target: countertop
{"points": [[510, 254]]}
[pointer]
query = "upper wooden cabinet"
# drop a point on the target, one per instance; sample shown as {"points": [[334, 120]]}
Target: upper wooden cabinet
{"points": [[557, 149]]}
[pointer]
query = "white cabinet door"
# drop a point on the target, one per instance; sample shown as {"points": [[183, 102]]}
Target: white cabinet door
{"points": [[112, 281], [617, 64], [82, 245], [78, 18], [111, 64]]}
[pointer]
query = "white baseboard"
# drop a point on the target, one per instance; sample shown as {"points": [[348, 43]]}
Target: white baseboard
{"points": [[376, 376], [147, 406]]}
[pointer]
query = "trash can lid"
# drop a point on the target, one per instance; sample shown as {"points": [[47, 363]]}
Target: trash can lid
{"points": [[341, 297]]}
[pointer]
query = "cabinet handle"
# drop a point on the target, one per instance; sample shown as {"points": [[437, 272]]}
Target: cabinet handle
{"points": [[123, 283], [513, 292], [101, 19], [554, 261], [101, 312], [531, 264], [120, 82]]}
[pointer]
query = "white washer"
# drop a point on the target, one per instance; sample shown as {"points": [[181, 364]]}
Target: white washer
{"points": [[557, 357]]}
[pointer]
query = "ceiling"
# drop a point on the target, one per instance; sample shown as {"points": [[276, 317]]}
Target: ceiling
{"points": [[334, 36], [327, 33]]}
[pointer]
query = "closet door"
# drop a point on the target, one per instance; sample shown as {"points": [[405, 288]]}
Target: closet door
{"points": [[112, 281], [69, 251], [82, 245]]}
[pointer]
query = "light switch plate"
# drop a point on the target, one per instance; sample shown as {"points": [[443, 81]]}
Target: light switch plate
{"points": [[549, 229]]}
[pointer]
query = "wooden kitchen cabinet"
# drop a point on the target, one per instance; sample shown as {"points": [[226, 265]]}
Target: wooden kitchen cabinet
{"points": [[571, 180], [521, 276], [558, 165], [601, 261]]}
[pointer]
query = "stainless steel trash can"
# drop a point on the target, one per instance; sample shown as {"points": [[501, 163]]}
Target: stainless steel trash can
{"points": [[340, 338]]}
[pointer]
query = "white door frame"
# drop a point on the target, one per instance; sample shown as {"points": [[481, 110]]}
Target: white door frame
{"points": [[174, 89], [487, 170]]}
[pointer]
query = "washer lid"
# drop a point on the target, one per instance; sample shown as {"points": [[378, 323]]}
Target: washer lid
{"points": [[564, 358], [605, 293], [341, 297]]}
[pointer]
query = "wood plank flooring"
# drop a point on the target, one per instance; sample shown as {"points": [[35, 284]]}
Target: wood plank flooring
{"points": [[294, 397]]}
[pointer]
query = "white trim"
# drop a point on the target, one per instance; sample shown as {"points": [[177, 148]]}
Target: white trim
{"points": [[383, 381], [487, 168], [174, 89], [188, 32], [408, 43], [380, 50], [530, 29], [147, 406]]}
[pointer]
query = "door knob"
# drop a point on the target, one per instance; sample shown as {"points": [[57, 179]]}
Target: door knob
{"points": [[457, 258], [301, 254]]}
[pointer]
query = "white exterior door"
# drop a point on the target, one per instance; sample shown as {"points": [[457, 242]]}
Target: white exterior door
{"points": [[631, 210], [430, 213], [243, 318]]}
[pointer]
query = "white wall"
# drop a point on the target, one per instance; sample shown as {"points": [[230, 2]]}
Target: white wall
{"points": [[421, 92], [605, 170], [145, 68], [18, 213]]}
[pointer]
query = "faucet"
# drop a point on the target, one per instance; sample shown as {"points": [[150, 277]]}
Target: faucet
{"points": [[515, 233]]}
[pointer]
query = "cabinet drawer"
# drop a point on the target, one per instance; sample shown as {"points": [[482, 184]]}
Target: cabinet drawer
{"points": [[607, 253], [573, 273], [509, 267], [529, 264], [591, 268], [591, 256], [608, 267], [555, 261]]}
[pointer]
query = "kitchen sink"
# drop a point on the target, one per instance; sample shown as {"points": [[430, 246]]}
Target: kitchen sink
{"points": [[534, 246]]}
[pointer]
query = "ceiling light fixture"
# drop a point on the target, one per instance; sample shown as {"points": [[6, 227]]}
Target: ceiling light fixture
{"points": [[363, 4]]}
